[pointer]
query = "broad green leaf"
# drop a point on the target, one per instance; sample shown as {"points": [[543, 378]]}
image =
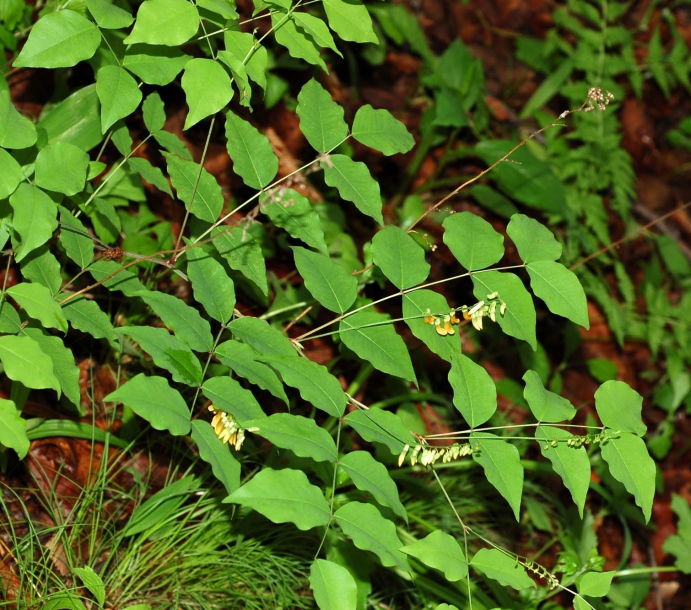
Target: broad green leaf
{"points": [[534, 241], [545, 405], [10, 174], [59, 40], [16, 131], [251, 153], [371, 476], [354, 183], [321, 119], [502, 465], [109, 17], [415, 307], [327, 280], [153, 64], [284, 496], [9, 319], [317, 29], [183, 320], [293, 212], [228, 395], [13, 429], [224, 466], [25, 361], [244, 47], [122, 139], [630, 464], [154, 112], [154, 400], [38, 303], [400, 257], [369, 531], [472, 240], [114, 277], [62, 167], [596, 584], [314, 382], [474, 392], [41, 267], [350, 20], [333, 586], [619, 407], [241, 359], [570, 463], [379, 129], [167, 352], [680, 548], [682, 509], [560, 289], [299, 43], [75, 240], [207, 89], [239, 73], [118, 92], [265, 339], [372, 337], [150, 173], [519, 318], [35, 218], [243, 254], [300, 435], [92, 582], [442, 552], [165, 22], [211, 284], [191, 179], [87, 316], [379, 426], [502, 568]]}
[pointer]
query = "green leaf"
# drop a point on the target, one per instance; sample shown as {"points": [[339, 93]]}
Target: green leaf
{"points": [[619, 407], [41, 267], [35, 218], [224, 466], [155, 65], [185, 175], [354, 183], [154, 112], [241, 359], [284, 496], [165, 22], [154, 400], [472, 240], [630, 464], [16, 131], [183, 320], [474, 392], [327, 280], [371, 476], [118, 92], [244, 47], [266, 340], [299, 434], [317, 29], [519, 318], [167, 352], [678, 545], [10, 174], [378, 426], [321, 119], [293, 212], [369, 531], [118, 278], [372, 337], [596, 584], [87, 316], [299, 43], [400, 257], [243, 254], [682, 509], [59, 40], [502, 465], [228, 395], [251, 153], [545, 405], [25, 361], [108, 16], [560, 289], [502, 568], [13, 429], [62, 167], [207, 89], [150, 173], [9, 319], [211, 284], [39, 304], [534, 241], [74, 238], [92, 582], [570, 463], [350, 20], [442, 552], [379, 129], [333, 586], [314, 382]]}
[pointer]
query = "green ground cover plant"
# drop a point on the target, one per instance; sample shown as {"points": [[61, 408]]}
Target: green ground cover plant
{"points": [[220, 368]]}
